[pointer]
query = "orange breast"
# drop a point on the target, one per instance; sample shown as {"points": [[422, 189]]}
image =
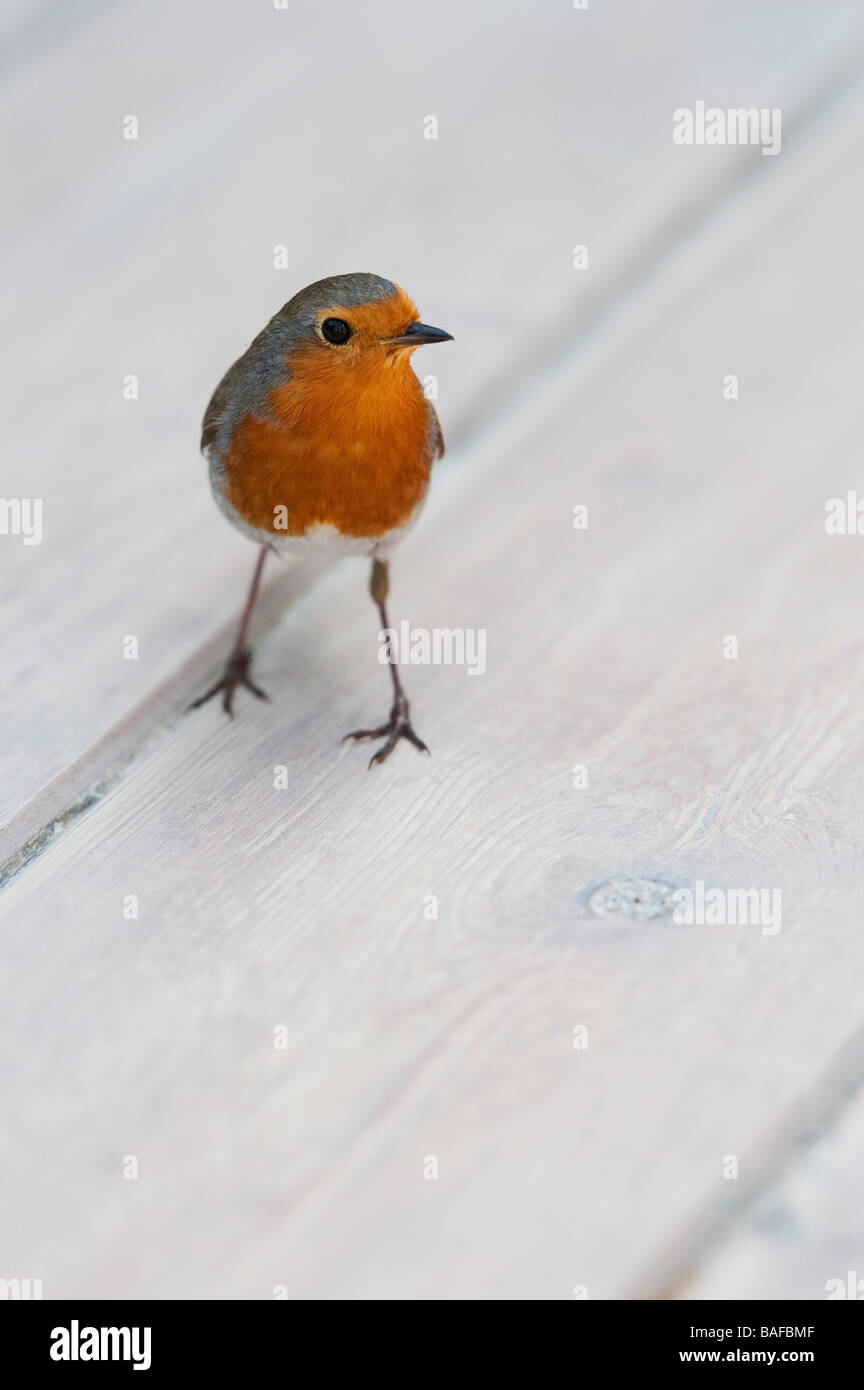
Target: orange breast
{"points": [[345, 447]]}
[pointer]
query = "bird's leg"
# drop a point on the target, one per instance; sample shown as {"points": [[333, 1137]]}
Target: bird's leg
{"points": [[399, 724], [237, 668]]}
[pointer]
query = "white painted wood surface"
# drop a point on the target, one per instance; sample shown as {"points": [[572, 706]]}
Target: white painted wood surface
{"points": [[803, 1238], [303, 128], [303, 909]]}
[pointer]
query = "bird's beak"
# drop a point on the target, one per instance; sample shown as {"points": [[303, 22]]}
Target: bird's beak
{"points": [[418, 333]]}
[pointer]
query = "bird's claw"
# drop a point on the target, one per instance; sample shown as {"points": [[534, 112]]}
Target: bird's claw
{"points": [[398, 726], [236, 674]]}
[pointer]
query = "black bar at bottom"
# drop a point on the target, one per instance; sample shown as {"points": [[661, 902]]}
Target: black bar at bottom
{"points": [[160, 1338]]}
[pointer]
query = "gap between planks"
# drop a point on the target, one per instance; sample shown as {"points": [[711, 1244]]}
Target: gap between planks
{"points": [[689, 1256]]}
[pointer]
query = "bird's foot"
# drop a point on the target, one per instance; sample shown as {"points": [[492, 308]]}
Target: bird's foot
{"points": [[398, 726], [236, 674]]}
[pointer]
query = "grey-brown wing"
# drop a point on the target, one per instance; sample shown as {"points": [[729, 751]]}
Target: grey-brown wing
{"points": [[434, 435], [219, 402]]}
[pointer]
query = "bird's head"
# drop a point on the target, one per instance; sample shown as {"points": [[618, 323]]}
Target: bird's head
{"points": [[360, 321]]}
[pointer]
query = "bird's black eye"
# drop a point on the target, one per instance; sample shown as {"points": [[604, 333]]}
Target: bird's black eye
{"points": [[336, 330]]}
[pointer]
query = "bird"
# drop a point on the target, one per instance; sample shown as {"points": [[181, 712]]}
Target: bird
{"points": [[320, 440]]}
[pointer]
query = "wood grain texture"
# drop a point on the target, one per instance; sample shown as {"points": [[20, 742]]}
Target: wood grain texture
{"points": [[155, 258], [452, 1037]]}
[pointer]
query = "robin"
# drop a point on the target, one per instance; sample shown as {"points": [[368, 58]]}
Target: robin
{"points": [[320, 440]]}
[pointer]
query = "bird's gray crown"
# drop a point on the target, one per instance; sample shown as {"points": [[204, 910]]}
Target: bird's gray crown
{"points": [[345, 290]]}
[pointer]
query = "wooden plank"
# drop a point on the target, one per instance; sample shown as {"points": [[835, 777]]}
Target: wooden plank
{"points": [[409, 1038], [154, 258], [28, 26], [803, 1238]]}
